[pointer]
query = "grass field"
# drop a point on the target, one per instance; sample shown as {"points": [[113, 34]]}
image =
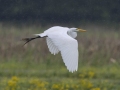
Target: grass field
{"points": [[32, 67]]}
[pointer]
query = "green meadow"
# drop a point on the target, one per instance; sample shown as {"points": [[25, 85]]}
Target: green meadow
{"points": [[32, 67]]}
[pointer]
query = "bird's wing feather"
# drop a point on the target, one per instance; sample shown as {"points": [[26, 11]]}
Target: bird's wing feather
{"points": [[68, 48], [52, 48]]}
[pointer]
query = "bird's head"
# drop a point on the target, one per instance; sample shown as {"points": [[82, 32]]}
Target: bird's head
{"points": [[77, 29]]}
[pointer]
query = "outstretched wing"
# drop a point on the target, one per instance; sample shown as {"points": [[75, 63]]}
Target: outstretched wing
{"points": [[52, 48], [68, 48]]}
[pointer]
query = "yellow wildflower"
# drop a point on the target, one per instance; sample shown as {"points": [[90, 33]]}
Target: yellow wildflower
{"points": [[34, 81], [75, 86], [55, 86], [96, 88], [40, 85], [14, 78], [11, 83], [89, 85], [91, 74], [83, 82], [86, 84], [67, 86]]}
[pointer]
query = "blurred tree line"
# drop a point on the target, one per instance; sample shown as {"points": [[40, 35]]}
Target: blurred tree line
{"points": [[60, 10]]}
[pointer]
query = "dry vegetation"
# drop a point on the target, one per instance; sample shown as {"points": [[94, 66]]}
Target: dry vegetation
{"points": [[97, 46]]}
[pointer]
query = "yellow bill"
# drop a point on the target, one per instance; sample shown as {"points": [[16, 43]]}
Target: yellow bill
{"points": [[81, 30]]}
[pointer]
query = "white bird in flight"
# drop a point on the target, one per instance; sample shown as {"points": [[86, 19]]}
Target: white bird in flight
{"points": [[61, 39]]}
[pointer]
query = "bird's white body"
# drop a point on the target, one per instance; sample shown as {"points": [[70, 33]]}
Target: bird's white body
{"points": [[61, 39]]}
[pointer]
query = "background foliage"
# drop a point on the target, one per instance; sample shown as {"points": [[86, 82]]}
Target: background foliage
{"points": [[60, 10]]}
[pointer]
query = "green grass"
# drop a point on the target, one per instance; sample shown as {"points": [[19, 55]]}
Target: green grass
{"points": [[100, 77], [32, 67]]}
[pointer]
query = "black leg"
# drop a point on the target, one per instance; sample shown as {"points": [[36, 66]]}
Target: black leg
{"points": [[29, 39]]}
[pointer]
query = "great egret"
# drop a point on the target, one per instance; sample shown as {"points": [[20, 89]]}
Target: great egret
{"points": [[62, 39]]}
